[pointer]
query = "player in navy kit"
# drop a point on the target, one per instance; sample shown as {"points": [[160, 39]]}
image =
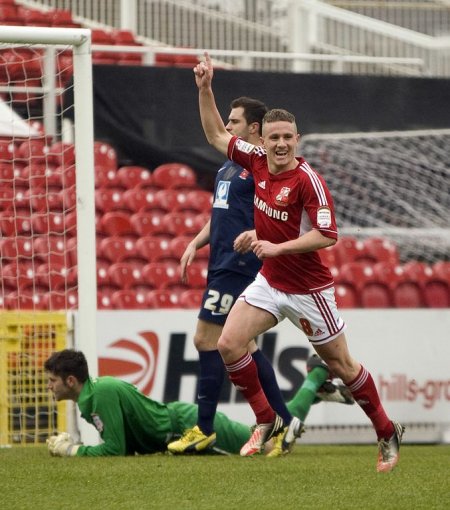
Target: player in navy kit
{"points": [[294, 218]]}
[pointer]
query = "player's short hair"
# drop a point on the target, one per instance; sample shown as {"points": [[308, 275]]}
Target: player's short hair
{"points": [[278, 114], [254, 110], [68, 362]]}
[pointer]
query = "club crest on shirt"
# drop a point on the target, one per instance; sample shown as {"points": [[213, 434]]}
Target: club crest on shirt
{"points": [[283, 196], [97, 422], [324, 217], [244, 174], [244, 146]]}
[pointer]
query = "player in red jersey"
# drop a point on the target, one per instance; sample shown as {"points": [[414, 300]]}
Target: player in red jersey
{"points": [[294, 219]]}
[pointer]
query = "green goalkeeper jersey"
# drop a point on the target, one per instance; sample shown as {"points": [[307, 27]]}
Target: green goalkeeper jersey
{"points": [[129, 422]]}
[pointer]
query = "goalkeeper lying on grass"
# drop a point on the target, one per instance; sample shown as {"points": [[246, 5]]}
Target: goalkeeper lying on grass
{"points": [[129, 422]]}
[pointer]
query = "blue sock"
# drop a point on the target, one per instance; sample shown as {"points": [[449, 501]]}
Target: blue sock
{"points": [[270, 386], [212, 371]]}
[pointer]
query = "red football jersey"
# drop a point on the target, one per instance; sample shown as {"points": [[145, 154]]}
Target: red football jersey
{"points": [[286, 206]]}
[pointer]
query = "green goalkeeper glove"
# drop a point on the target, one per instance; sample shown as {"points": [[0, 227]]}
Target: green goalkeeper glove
{"points": [[62, 445]]}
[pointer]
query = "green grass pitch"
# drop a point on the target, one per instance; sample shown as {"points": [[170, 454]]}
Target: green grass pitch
{"points": [[312, 477]]}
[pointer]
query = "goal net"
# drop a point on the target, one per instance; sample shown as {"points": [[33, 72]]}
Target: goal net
{"points": [[47, 232], [392, 185]]}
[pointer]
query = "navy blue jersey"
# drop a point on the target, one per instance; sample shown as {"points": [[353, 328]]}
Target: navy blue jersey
{"points": [[232, 214]]}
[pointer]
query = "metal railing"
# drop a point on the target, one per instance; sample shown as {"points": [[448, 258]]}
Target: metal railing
{"points": [[284, 26]]}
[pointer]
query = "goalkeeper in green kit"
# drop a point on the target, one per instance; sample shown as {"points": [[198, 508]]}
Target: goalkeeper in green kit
{"points": [[130, 423]]}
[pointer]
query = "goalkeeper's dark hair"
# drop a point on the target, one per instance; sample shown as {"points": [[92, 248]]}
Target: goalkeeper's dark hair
{"points": [[68, 362], [254, 110]]}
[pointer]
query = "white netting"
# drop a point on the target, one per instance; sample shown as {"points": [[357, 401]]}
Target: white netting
{"points": [[37, 183], [38, 272], [391, 185]]}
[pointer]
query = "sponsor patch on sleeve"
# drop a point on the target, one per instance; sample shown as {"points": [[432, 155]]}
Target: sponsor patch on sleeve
{"points": [[324, 217], [244, 146], [97, 422]]}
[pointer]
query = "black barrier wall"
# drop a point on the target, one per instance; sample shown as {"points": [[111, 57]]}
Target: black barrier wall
{"points": [[150, 114]]}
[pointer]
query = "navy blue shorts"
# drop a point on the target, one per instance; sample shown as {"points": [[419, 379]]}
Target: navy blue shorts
{"points": [[222, 290]]}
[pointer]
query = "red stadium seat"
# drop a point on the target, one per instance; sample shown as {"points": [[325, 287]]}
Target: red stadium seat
{"points": [[33, 175], [442, 270], [33, 150], [52, 222], [35, 18], [408, 295], [436, 294], [71, 223], [124, 275], [116, 223], [140, 199], [328, 257], [436, 287], [170, 199], [104, 295], [64, 67], [191, 298], [7, 148], [54, 276], [117, 249], [346, 296], [109, 199], [375, 295], [125, 37], [417, 272], [106, 177], [6, 171], [68, 199], [43, 200], [148, 223], [357, 274], [63, 18], [105, 155], [72, 298], [161, 274], [154, 249], [23, 222], [162, 298], [129, 299], [64, 176], [201, 220], [22, 199], [196, 275], [347, 250], [9, 15], [15, 248], [61, 154], [381, 250], [103, 279], [174, 175], [199, 201], [372, 291], [179, 244], [180, 223], [23, 300], [7, 224], [6, 198], [52, 250], [55, 301], [134, 176], [388, 274]]}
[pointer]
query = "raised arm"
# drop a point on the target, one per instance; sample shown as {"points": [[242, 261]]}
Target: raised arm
{"points": [[212, 123]]}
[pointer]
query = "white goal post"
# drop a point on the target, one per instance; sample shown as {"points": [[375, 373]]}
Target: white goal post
{"points": [[78, 42]]}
